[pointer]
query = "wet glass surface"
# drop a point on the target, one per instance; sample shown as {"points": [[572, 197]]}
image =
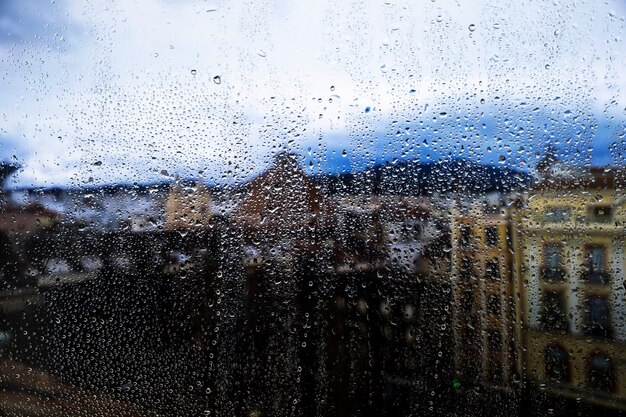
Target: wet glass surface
{"points": [[273, 208]]}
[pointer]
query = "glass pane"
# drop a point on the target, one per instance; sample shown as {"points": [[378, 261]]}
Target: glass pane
{"points": [[557, 365], [557, 214], [273, 208], [599, 319], [552, 256], [596, 258]]}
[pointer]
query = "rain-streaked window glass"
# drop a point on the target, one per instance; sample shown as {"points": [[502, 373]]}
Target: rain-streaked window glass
{"points": [[492, 270], [596, 272], [601, 373], [466, 237], [310, 208], [599, 317], [601, 214], [553, 262], [554, 313], [557, 364], [558, 214], [491, 236]]}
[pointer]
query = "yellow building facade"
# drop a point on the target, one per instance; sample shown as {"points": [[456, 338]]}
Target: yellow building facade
{"points": [[188, 206], [569, 256], [484, 331]]}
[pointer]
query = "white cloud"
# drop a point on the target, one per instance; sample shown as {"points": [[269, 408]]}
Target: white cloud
{"points": [[119, 87]]}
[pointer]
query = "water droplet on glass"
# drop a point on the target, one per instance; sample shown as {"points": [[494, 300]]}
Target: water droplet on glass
{"points": [[217, 79], [193, 72], [472, 27]]}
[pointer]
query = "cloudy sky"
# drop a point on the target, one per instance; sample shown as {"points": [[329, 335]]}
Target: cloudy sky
{"points": [[104, 91]]}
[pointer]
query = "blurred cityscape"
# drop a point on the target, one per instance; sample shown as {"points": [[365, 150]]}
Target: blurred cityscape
{"points": [[405, 289]]}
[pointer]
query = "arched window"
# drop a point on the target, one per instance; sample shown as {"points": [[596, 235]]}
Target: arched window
{"points": [[557, 364], [601, 373]]}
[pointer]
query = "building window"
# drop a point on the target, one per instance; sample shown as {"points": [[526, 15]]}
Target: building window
{"points": [[492, 270], [467, 272], [554, 312], [559, 214], [601, 373], [598, 317], [491, 236], [557, 364], [600, 214], [595, 257], [552, 269], [465, 240], [494, 305]]}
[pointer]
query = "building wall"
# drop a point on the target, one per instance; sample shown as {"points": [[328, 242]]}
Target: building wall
{"points": [[483, 299], [564, 218], [580, 351], [188, 207]]}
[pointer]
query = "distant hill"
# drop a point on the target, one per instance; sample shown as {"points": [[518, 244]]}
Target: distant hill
{"points": [[6, 169], [402, 178], [418, 178]]}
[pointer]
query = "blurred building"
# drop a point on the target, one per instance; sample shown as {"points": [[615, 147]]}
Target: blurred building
{"points": [[136, 207], [390, 328], [483, 297], [282, 210], [569, 267], [409, 227], [361, 241], [188, 206], [25, 220]]}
